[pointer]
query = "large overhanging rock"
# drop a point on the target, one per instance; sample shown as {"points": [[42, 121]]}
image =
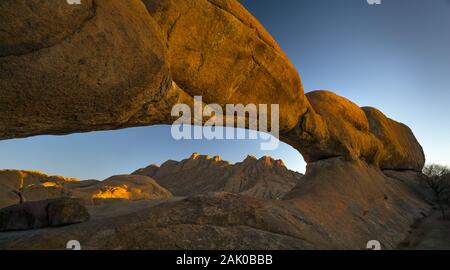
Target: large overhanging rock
{"points": [[335, 127], [29, 27], [338, 128], [402, 151], [111, 64], [219, 51], [93, 73]]}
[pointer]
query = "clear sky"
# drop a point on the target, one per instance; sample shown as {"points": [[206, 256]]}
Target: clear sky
{"points": [[394, 56]]}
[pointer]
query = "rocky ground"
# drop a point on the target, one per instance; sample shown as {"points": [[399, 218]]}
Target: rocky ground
{"points": [[431, 233], [330, 209]]}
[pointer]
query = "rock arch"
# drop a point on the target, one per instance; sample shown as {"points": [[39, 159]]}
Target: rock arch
{"points": [[109, 64]]}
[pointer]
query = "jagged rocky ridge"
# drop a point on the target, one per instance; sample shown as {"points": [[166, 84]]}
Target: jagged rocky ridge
{"points": [[260, 178], [264, 178]]}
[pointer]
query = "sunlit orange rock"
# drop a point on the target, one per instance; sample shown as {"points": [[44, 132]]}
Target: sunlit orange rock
{"points": [[31, 186], [120, 187], [79, 68], [402, 151], [218, 50], [119, 64]]}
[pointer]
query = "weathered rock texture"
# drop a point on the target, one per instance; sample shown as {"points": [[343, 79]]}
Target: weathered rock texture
{"points": [[41, 214], [402, 151], [354, 201], [31, 186], [29, 27], [94, 69], [264, 178], [336, 127], [218, 50]]}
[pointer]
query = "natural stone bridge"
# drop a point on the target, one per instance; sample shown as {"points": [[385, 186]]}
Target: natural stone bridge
{"points": [[114, 64], [111, 64]]}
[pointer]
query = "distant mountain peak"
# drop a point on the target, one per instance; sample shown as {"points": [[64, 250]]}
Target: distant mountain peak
{"points": [[196, 156], [250, 158], [264, 177]]}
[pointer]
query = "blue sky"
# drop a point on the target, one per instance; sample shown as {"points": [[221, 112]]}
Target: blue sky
{"points": [[394, 56]]}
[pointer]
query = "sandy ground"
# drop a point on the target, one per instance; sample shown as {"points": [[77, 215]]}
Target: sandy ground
{"points": [[432, 233]]}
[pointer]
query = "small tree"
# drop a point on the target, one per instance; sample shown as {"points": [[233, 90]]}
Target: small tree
{"points": [[20, 191], [437, 179]]}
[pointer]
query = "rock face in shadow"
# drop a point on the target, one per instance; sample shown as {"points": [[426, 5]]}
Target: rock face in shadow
{"points": [[413, 180], [41, 214], [264, 178], [354, 201]]}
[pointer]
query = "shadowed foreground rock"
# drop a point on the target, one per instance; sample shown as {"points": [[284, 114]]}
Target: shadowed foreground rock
{"points": [[41, 214], [341, 206]]}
